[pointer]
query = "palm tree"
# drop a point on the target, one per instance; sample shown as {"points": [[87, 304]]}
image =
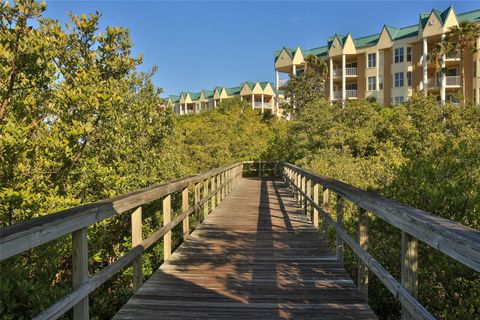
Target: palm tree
{"points": [[461, 39]]}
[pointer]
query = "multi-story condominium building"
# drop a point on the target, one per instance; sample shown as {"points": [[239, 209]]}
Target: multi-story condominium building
{"points": [[260, 95], [391, 65]]}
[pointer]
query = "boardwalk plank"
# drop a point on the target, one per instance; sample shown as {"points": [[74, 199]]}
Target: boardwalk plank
{"points": [[257, 256]]}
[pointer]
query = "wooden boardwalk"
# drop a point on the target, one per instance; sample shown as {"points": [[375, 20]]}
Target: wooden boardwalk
{"points": [[257, 256]]}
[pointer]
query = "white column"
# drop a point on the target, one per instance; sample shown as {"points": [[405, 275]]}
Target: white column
{"points": [[214, 104], [331, 79], [262, 103], [443, 80], [253, 101], [294, 70], [344, 79], [425, 65], [277, 78]]}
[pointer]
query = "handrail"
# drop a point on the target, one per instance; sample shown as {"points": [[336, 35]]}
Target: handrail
{"points": [[25, 235], [29, 234], [457, 241]]}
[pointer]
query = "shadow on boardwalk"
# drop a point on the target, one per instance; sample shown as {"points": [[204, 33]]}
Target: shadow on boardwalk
{"points": [[256, 256]]}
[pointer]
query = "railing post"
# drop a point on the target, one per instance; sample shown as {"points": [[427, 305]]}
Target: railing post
{"points": [[309, 195], [136, 240], [409, 268], [167, 238], [315, 200], [212, 185], [197, 206], [363, 241], [325, 208], [205, 195], [304, 188], [186, 221], [339, 241], [80, 270], [222, 183], [219, 193]]}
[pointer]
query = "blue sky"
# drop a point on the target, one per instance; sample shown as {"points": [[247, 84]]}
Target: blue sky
{"points": [[200, 44]]}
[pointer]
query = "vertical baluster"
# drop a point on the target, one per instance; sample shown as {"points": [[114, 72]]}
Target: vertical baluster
{"points": [[409, 268], [197, 205], [137, 238], [363, 241], [205, 195], [304, 188], [339, 241], [219, 193], [186, 221], [212, 185], [222, 183], [167, 238], [80, 270], [315, 199], [325, 208], [308, 207]]}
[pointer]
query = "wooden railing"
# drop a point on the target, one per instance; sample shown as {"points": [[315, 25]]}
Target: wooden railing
{"points": [[451, 238], [15, 239]]}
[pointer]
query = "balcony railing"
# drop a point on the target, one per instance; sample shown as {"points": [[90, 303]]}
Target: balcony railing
{"points": [[450, 81], [283, 82], [351, 71], [337, 95], [337, 72], [351, 93], [453, 56], [453, 81]]}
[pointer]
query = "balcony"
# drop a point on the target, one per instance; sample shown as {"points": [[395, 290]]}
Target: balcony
{"points": [[337, 95], [351, 94], [450, 82], [349, 72], [453, 57]]}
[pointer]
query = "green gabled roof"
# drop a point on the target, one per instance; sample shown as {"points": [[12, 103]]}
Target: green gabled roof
{"points": [[250, 84], [232, 91], [174, 98], [194, 95], [319, 52], [264, 84], [290, 51], [470, 16], [395, 33], [208, 93], [366, 41]]}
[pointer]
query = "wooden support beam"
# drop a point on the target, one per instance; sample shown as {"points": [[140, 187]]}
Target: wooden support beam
{"points": [[315, 200], [80, 270], [409, 268], [205, 195], [186, 221], [325, 208], [363, 241], [339, 242], [137, 238], [167, 238]]}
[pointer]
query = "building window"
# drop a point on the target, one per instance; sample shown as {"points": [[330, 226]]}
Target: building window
{"points": [[409, 78], [372, 83], [474, 96], [398, 100], [380, 82], [372, 60], [409, 53], [398, 55], [398, 79]]}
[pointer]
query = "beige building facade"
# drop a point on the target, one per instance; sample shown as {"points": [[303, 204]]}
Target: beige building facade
{"points": [[392, 65], [260, 96]]}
